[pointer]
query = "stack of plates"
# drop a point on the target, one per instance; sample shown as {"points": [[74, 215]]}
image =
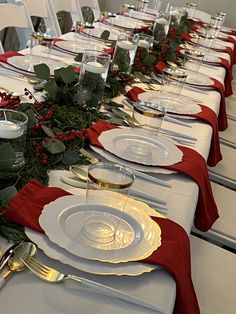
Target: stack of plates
{"points": [[64, 240]]}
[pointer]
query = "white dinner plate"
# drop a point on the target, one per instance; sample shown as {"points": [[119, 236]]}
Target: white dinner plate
{"points": [[129, 164], [140, 16], [63, 225], [137, 146], [95, 267], [198, 79], [125, 22], [76, 46], [97, 31], [26, 63], [180, 105]]}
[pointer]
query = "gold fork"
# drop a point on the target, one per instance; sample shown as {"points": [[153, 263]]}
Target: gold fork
{"points": [[54, 276]]}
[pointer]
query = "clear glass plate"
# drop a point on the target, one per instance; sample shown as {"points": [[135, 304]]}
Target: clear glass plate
{"points": [[122, 142], [139, 234]]}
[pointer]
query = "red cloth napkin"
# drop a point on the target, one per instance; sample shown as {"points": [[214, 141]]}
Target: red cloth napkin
{"points": [[4, 56], [228, 77], [193, 165], [206, 115], [222, 117], [173, 254]]}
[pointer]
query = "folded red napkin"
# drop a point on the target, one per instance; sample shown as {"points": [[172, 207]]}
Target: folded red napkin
{"points": [[228, 77], [206, 115], [193, 165], [173, 254], [222, 117], [5, 56]]}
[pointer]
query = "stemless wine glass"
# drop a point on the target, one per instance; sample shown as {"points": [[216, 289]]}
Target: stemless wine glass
{"points": [[173, 79], [216, 20], [93, 71], [193, 59], [101, 221], [124, 53]]}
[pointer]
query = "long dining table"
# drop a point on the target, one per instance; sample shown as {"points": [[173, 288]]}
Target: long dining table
{"points": [[25, 293]]}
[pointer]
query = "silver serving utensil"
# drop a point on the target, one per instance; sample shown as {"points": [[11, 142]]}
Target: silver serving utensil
{"points": [[52, 275], [137, 173], [14, 261]]}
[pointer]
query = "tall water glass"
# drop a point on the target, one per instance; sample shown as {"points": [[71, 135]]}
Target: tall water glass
{"points": [[216, 20], [190, 7], [206, 40], [176, 15], [13, 130], [93, 71], [157, 5], [101, 221], [124, 53], [223, 16], [142, 5]]}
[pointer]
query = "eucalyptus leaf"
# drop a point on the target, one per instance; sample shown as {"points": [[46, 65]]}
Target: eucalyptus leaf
{"points": [[105, 35], [51, 88], [7, 156], [42, 71], [79, 57], [149, 59], [70, 157], [67, 74], [54, 146], [8, 192], [31, 117]]}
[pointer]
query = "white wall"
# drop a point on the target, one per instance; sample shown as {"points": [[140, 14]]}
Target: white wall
{"points": [[209, 6]]}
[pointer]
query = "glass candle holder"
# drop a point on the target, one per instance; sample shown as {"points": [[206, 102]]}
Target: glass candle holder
{"points": [[145, 41], [93, 71], [102, 222], [13, 130], [193, 59], [173, 79], [161, 25], [124, 53]]}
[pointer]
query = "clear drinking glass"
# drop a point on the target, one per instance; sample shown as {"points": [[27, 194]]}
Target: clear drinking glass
{"points": [[206, 40], [101, 224], [13, 130], [142, 5], [38, 42], [213, 30], [190, 7], [124, 53], [193, 59], [216, 20], [157, 5], [176, 14], [223, 16], [93, 71], [173, 79]]}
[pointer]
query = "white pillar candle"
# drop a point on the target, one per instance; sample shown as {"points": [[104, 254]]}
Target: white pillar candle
{"points": [[10, 130], [125, 44], [94, 67], [162, 21], [175, 13], [143, 43]]}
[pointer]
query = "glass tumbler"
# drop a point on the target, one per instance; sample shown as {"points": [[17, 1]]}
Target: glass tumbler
{"points": [[13, 130], [173, 79], [190, 7], [216, 20], [93, 71], [206, 40], [193, 59], [176, 15], [101, 221], [124, 53]]}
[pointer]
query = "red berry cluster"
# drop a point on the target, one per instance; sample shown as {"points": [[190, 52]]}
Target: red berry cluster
{"points": [[8, 101], [69, 135], [30, 95], [123, 77], [45, 117], [42, 157]]}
